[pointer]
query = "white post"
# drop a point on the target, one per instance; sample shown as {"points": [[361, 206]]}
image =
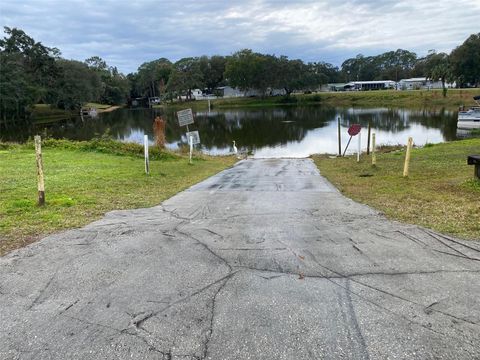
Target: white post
{"points": [[145, 146], [190, 141], [359, 146], [208, 105]]}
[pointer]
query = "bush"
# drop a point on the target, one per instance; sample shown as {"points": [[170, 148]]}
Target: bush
{"points": [[287, 100]]}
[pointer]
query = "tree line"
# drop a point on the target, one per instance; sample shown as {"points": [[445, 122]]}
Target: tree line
{"points": [[31, 73]]}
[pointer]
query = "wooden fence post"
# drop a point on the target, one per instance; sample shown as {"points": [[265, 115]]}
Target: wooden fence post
{"points": [[407, 157], [40, 180], [374, 154]]}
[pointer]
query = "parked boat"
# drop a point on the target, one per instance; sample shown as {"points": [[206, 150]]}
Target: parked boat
{"points": [[470, 119]]}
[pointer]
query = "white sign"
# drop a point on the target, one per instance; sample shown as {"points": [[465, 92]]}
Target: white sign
{"points": [[195, 137], [185, 117]]}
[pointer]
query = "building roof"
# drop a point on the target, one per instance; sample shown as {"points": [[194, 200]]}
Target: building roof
{"points": [[414, 79], [372, 82]]}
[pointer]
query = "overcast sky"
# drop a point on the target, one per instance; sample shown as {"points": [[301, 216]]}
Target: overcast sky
{"points": [[127, 33]]}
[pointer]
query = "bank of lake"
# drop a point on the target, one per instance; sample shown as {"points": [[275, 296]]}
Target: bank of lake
{"points": [[84, 180], [439, 193]]}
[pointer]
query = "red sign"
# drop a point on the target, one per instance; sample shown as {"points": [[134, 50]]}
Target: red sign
{"points": [[354, 129]]}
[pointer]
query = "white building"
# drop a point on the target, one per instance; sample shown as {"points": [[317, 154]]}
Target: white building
{"points": [[197, 94], [363, 85], [421, 83], [371, 85], [228, 92]]}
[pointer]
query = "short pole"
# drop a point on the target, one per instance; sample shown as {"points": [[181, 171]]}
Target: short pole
{"points": [[374, 154], [40, 180], [359, 146], [145, 147], [407, 157], [208, 105], [190, 141], [368, 139], [339, 139]]}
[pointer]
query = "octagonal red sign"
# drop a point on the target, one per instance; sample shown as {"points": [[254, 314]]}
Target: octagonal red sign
{"points": [[354, 129]]}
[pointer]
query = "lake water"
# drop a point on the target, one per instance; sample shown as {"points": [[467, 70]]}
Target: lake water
{"points": [[264, 132]]}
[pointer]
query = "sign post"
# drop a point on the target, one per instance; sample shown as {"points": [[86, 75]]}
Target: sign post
{"points": [[359, 147], [193, 139], [185, 117], [195, 136], [352, 131]]}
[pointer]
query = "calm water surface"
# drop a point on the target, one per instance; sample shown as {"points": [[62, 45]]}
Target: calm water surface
{"points": [[268, 132]]}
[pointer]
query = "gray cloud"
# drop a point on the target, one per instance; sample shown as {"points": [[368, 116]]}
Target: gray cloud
{"points": [[128, 33]]}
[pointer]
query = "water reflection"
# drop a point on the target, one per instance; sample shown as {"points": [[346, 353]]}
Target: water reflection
{"points": [[268, 132]]}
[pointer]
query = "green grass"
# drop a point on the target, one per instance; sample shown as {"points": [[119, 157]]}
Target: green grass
{"points": [[44, 113], [83, 180], [439, 193], [411, 98], [97, 106], [392, 98]]}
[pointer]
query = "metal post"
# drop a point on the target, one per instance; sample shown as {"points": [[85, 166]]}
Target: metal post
{"points": [[348, 143], [145, 147]]}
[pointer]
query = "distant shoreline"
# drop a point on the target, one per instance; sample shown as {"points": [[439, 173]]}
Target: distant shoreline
{"points": [[377, 98]]}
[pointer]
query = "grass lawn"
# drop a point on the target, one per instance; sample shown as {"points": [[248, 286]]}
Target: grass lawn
{"points": [[83, 181], [379, 98], [408, 98], [439, 193]]}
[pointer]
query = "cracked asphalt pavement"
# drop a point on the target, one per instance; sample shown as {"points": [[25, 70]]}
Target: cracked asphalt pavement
{"points": [[265, 260]]}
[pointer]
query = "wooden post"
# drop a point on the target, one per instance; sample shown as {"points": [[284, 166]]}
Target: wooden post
{"points": [[407, 157], [339, 139], [40, 180], [368, 139], [145, 147], [208, 105], [374, 154]]}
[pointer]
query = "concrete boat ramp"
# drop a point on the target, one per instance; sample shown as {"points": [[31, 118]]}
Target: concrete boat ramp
{"points": [[265, 260]]}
